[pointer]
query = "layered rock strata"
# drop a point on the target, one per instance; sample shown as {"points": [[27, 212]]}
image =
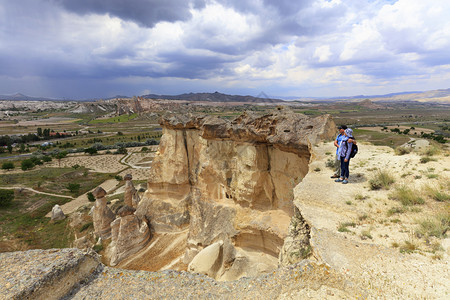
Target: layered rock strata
{"points": [[231, 183]]}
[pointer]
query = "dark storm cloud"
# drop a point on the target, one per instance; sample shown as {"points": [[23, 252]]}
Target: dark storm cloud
{"points": [[143, 12], [117, 42], [196, 66]]}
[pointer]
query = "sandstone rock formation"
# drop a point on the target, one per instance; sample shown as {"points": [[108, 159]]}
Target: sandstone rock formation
{"points": [[231, 182], [102, 216], [131, 197], [129, 234], [57, 213]]}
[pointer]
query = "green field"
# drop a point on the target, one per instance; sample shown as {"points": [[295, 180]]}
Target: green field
{"points": [[23, 224], [55, 180], [118, 119]]}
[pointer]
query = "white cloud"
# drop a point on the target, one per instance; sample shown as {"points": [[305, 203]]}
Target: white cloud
{"points": [[322, 53]]}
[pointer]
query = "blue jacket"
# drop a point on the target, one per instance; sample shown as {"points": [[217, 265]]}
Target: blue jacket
{"points": [[339, 141]]}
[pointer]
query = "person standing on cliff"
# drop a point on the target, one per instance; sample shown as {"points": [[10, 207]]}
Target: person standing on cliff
{"points": [[344, 152], [337, 143]]}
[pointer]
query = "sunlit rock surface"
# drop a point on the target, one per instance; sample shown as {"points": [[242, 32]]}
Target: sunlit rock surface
{"points": [[230, 182]]}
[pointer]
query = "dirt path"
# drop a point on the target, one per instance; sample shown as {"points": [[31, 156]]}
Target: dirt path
{"points": [[73, 205], [35, 191]]}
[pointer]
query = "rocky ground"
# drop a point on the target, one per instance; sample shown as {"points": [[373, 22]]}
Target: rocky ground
{"points": [[369, 250]]}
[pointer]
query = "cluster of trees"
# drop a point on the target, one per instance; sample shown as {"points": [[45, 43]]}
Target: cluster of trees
{"points": [[437, 137], [36, 159], [42, 134], [6, 140], [432, 136], [406, 131]]}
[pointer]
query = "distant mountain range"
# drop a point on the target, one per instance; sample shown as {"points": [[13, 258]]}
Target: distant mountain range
{"points": [[214, 97], [22, 97], [438, 96]]}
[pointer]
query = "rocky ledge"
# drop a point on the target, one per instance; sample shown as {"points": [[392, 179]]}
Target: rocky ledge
{"points": [[283, 128], [73, 274]]}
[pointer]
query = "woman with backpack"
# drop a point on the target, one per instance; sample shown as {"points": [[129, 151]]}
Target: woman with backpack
{"points": [[345, 150]]}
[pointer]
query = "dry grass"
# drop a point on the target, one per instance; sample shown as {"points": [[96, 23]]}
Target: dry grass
{"points": [[402, 150], [437, 226], [343, 226], [437, 193], [381, 180], [406, 196]]}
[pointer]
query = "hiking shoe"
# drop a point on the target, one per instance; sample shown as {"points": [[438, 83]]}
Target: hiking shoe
{"points": [[345, 181], [335, 176], [338, 180]]}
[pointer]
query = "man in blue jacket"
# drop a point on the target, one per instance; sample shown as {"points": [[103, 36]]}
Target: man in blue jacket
{"points": [[337, 143]]}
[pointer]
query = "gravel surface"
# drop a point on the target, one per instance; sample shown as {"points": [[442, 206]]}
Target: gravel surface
{"points": [[31, 274]]}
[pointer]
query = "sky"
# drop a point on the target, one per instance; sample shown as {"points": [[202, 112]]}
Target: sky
{"points": [[82, 49]]}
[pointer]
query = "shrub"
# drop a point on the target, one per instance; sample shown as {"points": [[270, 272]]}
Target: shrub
{"points": [[90, 151], [36, 160], [402, 150], [26, 164], [408, 247], [144, 149], [118, 178], [438, 226], [86, 226], [381, 179], [121, 150], [76, 166], [97, 248], [90, 197], [425, 159], [6, 197], [365, 234], [8, 165], [431, 150], [395, 210], [406, 196], [47, 158], [150, 142], [440, 196], [343, 226], [330, 163], [73, 187]]}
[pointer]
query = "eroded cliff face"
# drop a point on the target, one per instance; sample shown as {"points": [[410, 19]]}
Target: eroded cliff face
{"points": [[227, 185]]}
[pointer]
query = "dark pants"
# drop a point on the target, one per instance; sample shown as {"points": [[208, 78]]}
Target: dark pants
{"points": [[345, 172]]}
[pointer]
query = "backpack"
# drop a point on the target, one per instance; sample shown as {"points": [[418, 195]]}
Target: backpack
{"points": [[354, 149]]}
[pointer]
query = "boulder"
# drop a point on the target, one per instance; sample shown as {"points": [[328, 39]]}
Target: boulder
{"points": [[206, 261], [57, 213]]}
